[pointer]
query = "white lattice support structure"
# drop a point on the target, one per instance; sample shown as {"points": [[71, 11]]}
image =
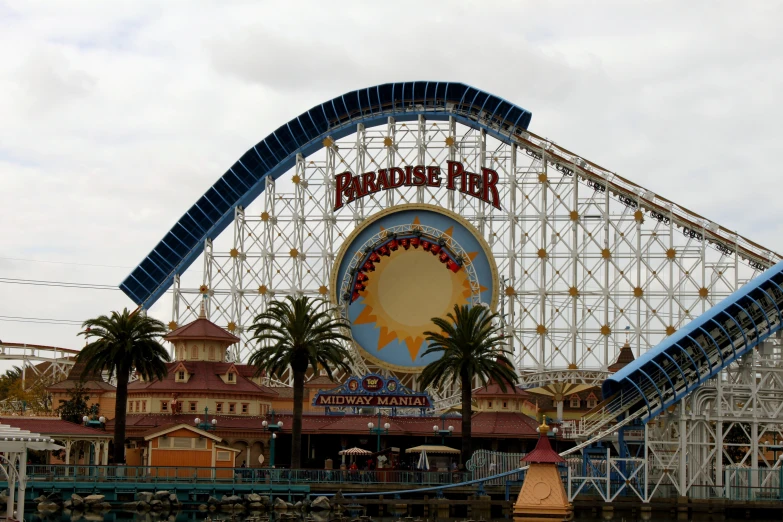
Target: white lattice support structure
{"points": [[40, 365], [731, 418], [581, 252]]}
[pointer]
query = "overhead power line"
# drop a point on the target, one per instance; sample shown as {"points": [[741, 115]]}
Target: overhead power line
{"points": [[62, 284], [39, 320], [62, 262]]}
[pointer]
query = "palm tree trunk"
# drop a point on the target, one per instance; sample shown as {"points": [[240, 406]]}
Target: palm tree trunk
{"points": [[119, 416], [467, 394], [296, 429]]}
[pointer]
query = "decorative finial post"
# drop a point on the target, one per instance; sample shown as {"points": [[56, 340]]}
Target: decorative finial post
{"points": [[203, 313]]}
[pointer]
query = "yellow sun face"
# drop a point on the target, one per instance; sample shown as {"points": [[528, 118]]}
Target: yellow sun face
{"points": [[405, 292], [401, 268]]}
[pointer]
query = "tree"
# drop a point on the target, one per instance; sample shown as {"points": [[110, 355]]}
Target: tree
{"points": [[300, 334], [76, 407], [10, 381], [118, 344], [471, 345], [25, 392]]}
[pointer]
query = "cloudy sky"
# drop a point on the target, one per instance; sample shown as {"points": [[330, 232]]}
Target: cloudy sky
{"points": [[116, 116]]}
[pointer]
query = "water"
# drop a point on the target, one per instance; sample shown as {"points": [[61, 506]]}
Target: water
{"points": [[196, 516]]}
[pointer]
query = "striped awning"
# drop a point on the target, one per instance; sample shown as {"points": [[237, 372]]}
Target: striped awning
{"points": [[355, 451], [15, 439]]}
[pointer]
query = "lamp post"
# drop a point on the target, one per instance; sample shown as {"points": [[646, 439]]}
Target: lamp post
{"points": [[379, 430], [92, 422], [206, 424], [274, 428], [443, 431]]}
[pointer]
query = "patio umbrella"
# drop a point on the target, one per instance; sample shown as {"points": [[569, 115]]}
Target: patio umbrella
{"points": [[424, 463], [356, 451]]}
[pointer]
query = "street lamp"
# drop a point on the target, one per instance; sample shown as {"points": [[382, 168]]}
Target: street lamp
{"points": [[206, 424], [274, 428], [93, 422], [443, 431], [379, 430]]}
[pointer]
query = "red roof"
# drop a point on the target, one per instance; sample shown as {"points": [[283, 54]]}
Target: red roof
{"points": [[89, 381], [52, 427], [543, 453], [623, 358], [493, 389], [483, 425], [204, 376], [202, 329]]}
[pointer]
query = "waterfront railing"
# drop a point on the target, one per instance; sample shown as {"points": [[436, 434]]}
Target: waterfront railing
{"points": [[173, 474]]}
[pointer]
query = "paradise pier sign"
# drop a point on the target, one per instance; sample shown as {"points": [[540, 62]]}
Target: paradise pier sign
{"points": [[482, 186], [372, 390]]}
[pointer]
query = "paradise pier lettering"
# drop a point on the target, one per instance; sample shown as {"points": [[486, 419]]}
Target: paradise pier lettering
{"points": [[482, 186]]}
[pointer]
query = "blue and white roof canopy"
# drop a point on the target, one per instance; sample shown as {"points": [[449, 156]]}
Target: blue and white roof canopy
{"points": [[276, 153]]}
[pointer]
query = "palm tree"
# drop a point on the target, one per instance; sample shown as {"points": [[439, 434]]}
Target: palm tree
{"points": [[302, 334], [471, 345], [119, 344]]}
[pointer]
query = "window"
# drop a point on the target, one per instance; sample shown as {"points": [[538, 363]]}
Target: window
{"points": [[130, 406], [194, 353], [211, 353], [231, 377], [181, 375], [223, 456], [137, 405], [193, 406], [219, 407], [505, 405], [180, 352], [489, 404], [575, 402], [592, 402], [164, 406], [181, 442], [143, 405], [232, 408], [245, 408]]}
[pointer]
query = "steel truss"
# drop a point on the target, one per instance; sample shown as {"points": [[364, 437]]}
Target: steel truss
{"points": [[40, 365], [724, 440], [585, 257]]}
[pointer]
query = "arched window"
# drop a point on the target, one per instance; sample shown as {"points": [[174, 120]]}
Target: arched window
{"points": [[180, 352], [211, 353], [194, 353]]}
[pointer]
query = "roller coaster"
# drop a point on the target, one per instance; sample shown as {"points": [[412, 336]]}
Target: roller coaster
{"points": [[583, 256]]}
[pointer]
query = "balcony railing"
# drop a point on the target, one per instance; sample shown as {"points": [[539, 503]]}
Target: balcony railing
{"points": [[171, 474]]}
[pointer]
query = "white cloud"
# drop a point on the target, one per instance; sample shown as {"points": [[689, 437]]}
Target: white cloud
{"points": [[117, 116]]}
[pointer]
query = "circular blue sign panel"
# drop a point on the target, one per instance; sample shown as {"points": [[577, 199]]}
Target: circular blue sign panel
{"points": [[402, 267]]}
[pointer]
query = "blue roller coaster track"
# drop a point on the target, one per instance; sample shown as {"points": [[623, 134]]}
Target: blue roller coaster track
{"points": [[699, 350], [276, 153]]}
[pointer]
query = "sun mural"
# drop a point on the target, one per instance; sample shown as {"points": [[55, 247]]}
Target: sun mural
{"points": [[400, 269]]}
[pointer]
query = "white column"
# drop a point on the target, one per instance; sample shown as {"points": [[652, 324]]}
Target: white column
{"points": [[22, 485], [105, 453], [754, 453], [560, 410], [683, 451], [11, 471], [67, 455], [12, 479]]}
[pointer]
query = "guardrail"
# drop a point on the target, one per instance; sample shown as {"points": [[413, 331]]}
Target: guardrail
{"points": [[172, 474]]}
